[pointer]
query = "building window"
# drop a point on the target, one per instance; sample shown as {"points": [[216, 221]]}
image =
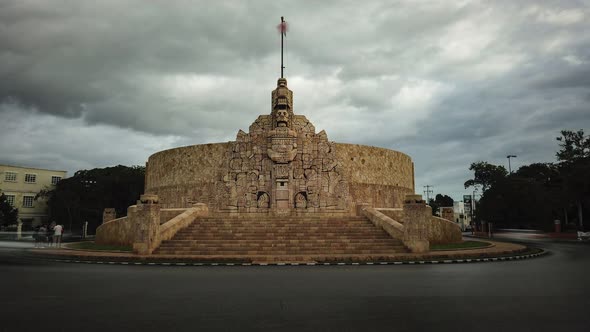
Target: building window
{"points": [[10, 177], [30, 178], [55, 179], [28, 201], [10, 199]]}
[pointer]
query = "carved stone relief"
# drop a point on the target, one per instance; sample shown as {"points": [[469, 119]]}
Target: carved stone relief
{"points": [[300, 201], [263, 201], [282, 163]]}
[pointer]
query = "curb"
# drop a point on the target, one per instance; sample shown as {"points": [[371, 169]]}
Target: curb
{"points": [[416, 262]]}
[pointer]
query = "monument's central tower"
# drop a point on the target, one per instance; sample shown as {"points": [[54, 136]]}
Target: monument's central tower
{"points": [[282, 104], [282, 166]]}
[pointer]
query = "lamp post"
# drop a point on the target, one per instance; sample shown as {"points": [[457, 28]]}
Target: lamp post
{"points": [[473, 208], [509, 167]]}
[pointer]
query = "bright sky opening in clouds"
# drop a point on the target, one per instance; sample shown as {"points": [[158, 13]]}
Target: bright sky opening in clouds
{"points": [[96, 83]]}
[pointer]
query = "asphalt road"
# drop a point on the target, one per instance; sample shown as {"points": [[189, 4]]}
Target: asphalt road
{"points": [[550, 293]]}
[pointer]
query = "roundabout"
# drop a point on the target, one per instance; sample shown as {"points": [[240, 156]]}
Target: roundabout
{"points": [[492, 251]]}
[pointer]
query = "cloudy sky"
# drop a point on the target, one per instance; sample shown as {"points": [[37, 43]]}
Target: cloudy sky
{"points": [[87, 84]]}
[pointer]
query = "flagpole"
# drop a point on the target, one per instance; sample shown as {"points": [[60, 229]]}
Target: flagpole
{"points": [[282, 34]]}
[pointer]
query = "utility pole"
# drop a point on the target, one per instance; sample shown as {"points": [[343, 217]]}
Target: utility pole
{"points": [[509, 167], [427, 192]]}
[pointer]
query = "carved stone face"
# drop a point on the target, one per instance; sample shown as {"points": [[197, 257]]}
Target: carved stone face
{"points": [[282, 118]]}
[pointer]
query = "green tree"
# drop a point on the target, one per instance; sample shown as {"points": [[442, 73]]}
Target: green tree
{"points": [[8, 214], [485, 175], [575, 146], [84, 196], [440, 201], [574, 165], [528, 197]]}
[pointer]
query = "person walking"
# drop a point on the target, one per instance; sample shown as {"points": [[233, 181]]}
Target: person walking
{"points": [[49, 234], [57, 231], [43, 235], [37, 236]]}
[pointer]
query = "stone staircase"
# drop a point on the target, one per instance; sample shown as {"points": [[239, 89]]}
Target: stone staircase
{"points": [[281, 237]]}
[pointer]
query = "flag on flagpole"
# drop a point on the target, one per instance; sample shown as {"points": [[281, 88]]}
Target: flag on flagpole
{"points": [[282, 27]]}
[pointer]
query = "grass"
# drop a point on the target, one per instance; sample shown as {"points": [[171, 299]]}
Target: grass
{"points": [[461, 245], [93, 246]]}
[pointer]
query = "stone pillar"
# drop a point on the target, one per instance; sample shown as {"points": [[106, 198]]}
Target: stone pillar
{"points": [[147, 225], [416, 218], [108, 214]]}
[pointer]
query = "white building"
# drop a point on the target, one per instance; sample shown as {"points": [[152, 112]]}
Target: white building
{"points": [[461, 217]]}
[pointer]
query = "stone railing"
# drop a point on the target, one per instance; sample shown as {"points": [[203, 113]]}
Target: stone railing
{"points": [[392, 227], [415, 225], [169, 214], [117, 232], [170, 228], [396, 214], [141, 228], [443, 231]]}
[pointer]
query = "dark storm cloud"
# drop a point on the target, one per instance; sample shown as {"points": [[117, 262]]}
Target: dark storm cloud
{"points": [[579, 78], [449, 83], [105, 58]]}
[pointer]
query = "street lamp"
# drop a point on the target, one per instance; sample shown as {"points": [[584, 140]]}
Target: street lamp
{"points": [[510, 168], [473, 207]]}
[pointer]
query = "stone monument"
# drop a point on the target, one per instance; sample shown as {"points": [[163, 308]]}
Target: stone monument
{"points": [[280, 166], [279, 170]]}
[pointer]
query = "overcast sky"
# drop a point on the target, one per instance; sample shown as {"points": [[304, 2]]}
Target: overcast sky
{"points": [[87, 84]]}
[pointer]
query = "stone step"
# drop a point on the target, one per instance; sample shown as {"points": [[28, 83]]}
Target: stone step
{"points": [[292, 249], [291, 241], [272, 233], [268, 236], [264, 224], [301, 222], [284, 218], [275, 222], [277, 252], [278, 237], [284, 226], [299, 232], [280, 233], [276, 244], [283, 229]]}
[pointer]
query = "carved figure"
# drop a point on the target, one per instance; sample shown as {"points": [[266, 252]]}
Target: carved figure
{"points": [[300, 201], [282, 118], [282, 145], [263, 201]]}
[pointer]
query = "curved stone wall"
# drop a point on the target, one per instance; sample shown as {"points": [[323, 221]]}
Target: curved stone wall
{"points": [[186, 175], [373, 165], [377, 176]]}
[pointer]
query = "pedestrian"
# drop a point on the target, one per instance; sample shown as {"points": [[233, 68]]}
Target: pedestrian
{"points": [[57, 231], [42, 234], [49, 234], [36, 235]]}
